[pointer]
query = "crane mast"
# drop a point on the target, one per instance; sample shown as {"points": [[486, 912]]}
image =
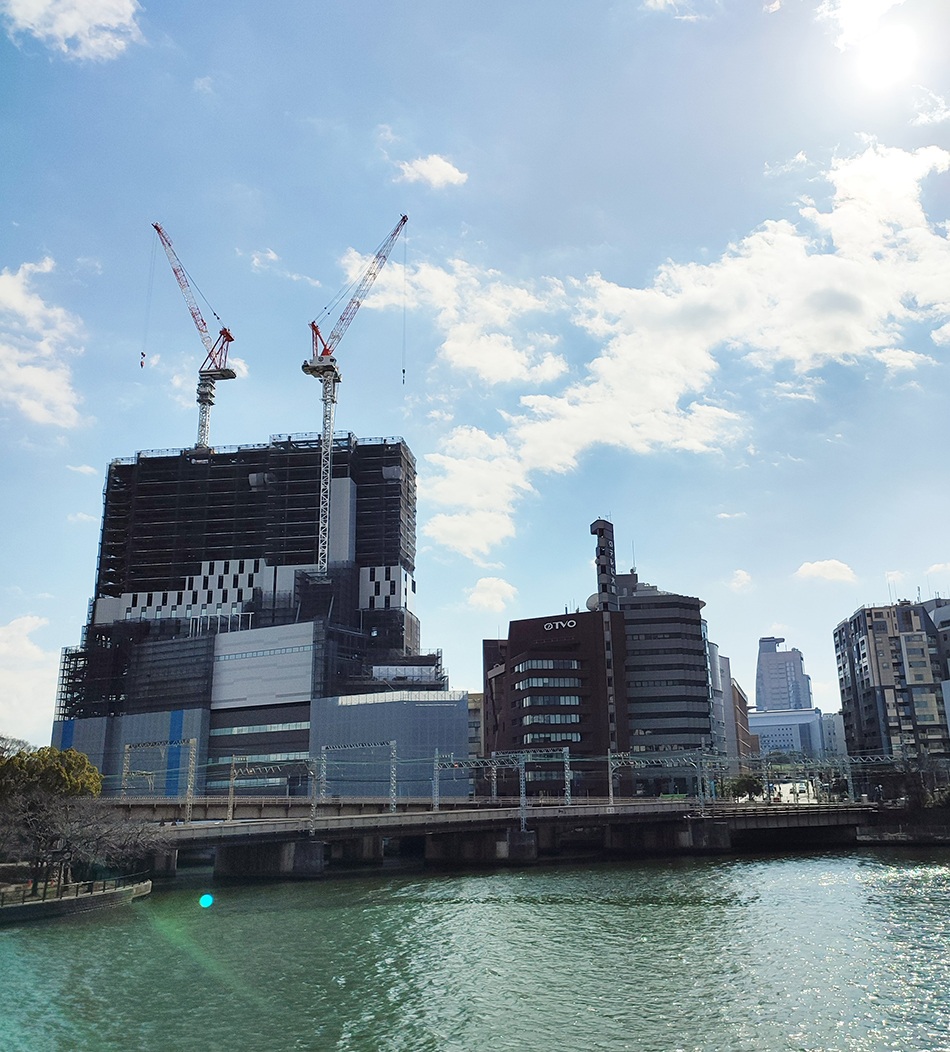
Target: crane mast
{"points": [[323, 367], [215, 365]]}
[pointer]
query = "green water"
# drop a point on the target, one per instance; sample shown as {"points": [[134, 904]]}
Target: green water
{"points": [[817, 953]]}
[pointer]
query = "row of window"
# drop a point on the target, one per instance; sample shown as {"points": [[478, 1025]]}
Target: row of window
{"points": [[554, 736], [246, 783], [182, 598], [268, 757], [263, 653], [551, 717], [547, 681], [535, 663], [263, 728], [537, 700], [226, 568]]}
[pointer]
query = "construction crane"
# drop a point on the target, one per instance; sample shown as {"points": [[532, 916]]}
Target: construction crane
{"points": [[322, 366], [215, 366]]}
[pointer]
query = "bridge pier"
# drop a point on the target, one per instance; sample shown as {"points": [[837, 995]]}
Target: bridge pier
{"points": [[486, 846], [289, 859], [165, 863], [357, 850], [706, 835]]}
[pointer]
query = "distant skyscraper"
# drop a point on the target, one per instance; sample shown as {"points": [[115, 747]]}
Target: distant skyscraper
{"points": [[780, 680]]}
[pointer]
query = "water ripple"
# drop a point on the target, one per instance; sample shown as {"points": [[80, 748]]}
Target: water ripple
{"points": [[827, 953]]}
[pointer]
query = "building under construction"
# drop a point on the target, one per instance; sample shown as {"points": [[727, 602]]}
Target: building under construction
{"points": [[215, 639]]}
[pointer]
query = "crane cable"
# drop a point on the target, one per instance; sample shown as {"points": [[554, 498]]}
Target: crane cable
{"points": [[405, 297], [148, 304]]}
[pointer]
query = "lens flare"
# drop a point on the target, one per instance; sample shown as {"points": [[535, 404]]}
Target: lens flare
{"points": [[206, 900]]}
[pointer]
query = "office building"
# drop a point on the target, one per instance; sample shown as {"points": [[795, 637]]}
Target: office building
{"points": [[212, 634], [631, 673], [740, 742], [780, 680], [788, 731]]}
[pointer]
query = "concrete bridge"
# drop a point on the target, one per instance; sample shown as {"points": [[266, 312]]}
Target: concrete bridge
{"points": [[301, 841]]}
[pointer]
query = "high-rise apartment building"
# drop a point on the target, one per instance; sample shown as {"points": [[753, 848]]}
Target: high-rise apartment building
{"points": [[211, 627], [780, 680], [893, 678]]}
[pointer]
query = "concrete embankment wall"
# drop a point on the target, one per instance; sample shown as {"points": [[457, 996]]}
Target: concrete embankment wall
{"points": [[908, 827], [38, 909]]}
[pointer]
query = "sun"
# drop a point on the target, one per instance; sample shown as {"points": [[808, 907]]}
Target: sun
{"points": [[886, 57]]}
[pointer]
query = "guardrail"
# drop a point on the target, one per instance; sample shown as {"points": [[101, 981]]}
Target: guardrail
{"points": [[52, 892]]}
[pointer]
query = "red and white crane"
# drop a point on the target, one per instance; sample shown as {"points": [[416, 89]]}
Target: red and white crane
{"points": [[215, 366], [322, 366]]}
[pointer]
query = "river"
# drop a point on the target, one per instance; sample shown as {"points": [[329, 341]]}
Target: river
{"points": [[812, 953]]}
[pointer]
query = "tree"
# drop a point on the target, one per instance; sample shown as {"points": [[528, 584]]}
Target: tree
{"points": [[745, 785], [51, 816], [49, 770], [9, 746]]}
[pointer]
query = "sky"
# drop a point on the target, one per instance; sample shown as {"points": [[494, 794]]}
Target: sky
{"points": [[682, 264]]}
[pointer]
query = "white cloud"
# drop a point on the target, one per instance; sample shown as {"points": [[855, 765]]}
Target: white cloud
{"points": [[491, 593], [682, 11], [931, 108], [741, 581], [36, 338], [839, 286], [82, 469], [894, 576], [798, 162], [97, 30], [434, 171], [731, 515], [28, 677], [472, 533], [826, 570], [266, 260], [203, 85], [855, 20], [81, 516], [486, 322], [936, 568], [478, 475]]}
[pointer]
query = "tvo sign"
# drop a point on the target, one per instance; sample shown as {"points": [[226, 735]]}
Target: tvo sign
{"points": [[553, 626]]}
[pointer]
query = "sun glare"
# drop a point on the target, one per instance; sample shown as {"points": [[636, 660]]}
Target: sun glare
{"points": [[886, 57]]}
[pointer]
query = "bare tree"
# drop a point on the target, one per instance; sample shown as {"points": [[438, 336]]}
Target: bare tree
{"points": [[51, 816]]}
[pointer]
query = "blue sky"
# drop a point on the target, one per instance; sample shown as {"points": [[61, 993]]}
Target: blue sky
{"points": [[680, 264]]}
